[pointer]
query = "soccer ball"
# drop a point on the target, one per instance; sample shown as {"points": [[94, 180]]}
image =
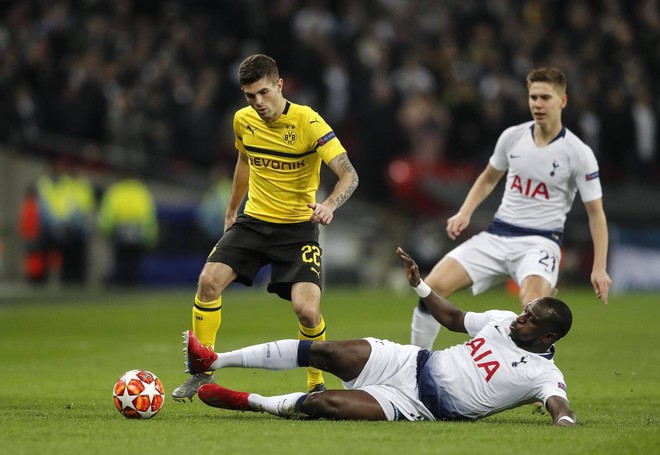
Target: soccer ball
{"points": [[138, 394]]}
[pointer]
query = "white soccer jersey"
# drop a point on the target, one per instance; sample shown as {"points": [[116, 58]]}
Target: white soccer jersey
{"points": [[542, 181], [488, 374]]}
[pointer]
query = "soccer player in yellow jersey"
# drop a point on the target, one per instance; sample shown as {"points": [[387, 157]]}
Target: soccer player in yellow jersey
{"points": [[280, 148]]}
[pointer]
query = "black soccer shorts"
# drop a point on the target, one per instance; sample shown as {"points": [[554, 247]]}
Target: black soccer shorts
{"points": [[292, 250]]}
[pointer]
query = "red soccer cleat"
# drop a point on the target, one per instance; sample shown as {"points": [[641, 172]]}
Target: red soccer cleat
{"points": [[199, 358], [221, 397]]}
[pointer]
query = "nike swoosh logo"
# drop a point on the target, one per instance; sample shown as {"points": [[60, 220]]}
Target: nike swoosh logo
{"points": [[314, 121], [514, 156]]}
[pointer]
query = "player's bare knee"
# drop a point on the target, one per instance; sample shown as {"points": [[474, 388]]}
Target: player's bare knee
{"points": [[308, 315], [320, 405], [323, 349], [525, 297], [448, 277], [207, 288], [344, 359], [440, 286], [532, 293]]}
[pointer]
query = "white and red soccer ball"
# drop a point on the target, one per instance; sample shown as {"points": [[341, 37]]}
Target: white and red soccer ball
{"points": [[138, 394]]}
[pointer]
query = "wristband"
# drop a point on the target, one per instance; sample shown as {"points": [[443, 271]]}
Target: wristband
{"points": [[566, 418], [422, 289]]}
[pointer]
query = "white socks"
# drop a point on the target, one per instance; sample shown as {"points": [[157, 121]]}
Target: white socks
{"points": [[274, 355], [281, 405], [424, 329]]}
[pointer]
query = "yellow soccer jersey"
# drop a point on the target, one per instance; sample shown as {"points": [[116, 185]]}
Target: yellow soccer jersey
{"points": [[285, 161]]}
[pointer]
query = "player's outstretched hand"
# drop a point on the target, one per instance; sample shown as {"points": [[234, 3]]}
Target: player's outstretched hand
{"points": [[601, 282], [410, 267], [321, 214]]}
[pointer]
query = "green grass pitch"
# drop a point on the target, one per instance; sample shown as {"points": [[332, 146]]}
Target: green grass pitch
{"points": [[60, 357]]}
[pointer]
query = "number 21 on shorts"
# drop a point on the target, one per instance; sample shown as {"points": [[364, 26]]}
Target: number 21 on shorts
{"points": [[549, 261]]}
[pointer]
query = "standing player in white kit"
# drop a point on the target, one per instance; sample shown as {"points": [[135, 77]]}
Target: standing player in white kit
{"points": [[546, 164]]}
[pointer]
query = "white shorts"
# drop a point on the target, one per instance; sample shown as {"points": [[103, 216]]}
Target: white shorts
{"points": [[390, 376], [491, 259]]}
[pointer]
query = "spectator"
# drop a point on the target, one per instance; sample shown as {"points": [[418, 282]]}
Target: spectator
{"points": [[211, 210], [55, 224], [127, 216], [80, 199], [646, 133], [617, 132], [42, 259]]}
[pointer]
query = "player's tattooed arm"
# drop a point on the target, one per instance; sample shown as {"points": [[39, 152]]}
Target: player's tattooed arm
{"points": [[347, 183], [348, 180]]}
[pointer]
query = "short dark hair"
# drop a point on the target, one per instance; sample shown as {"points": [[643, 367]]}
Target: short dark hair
{"points": [[559, 315], [552, 76], [256, 67]]}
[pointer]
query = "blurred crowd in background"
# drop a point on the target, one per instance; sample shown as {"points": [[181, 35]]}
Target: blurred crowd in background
{"points": [[411, 87], [430, 81]]}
